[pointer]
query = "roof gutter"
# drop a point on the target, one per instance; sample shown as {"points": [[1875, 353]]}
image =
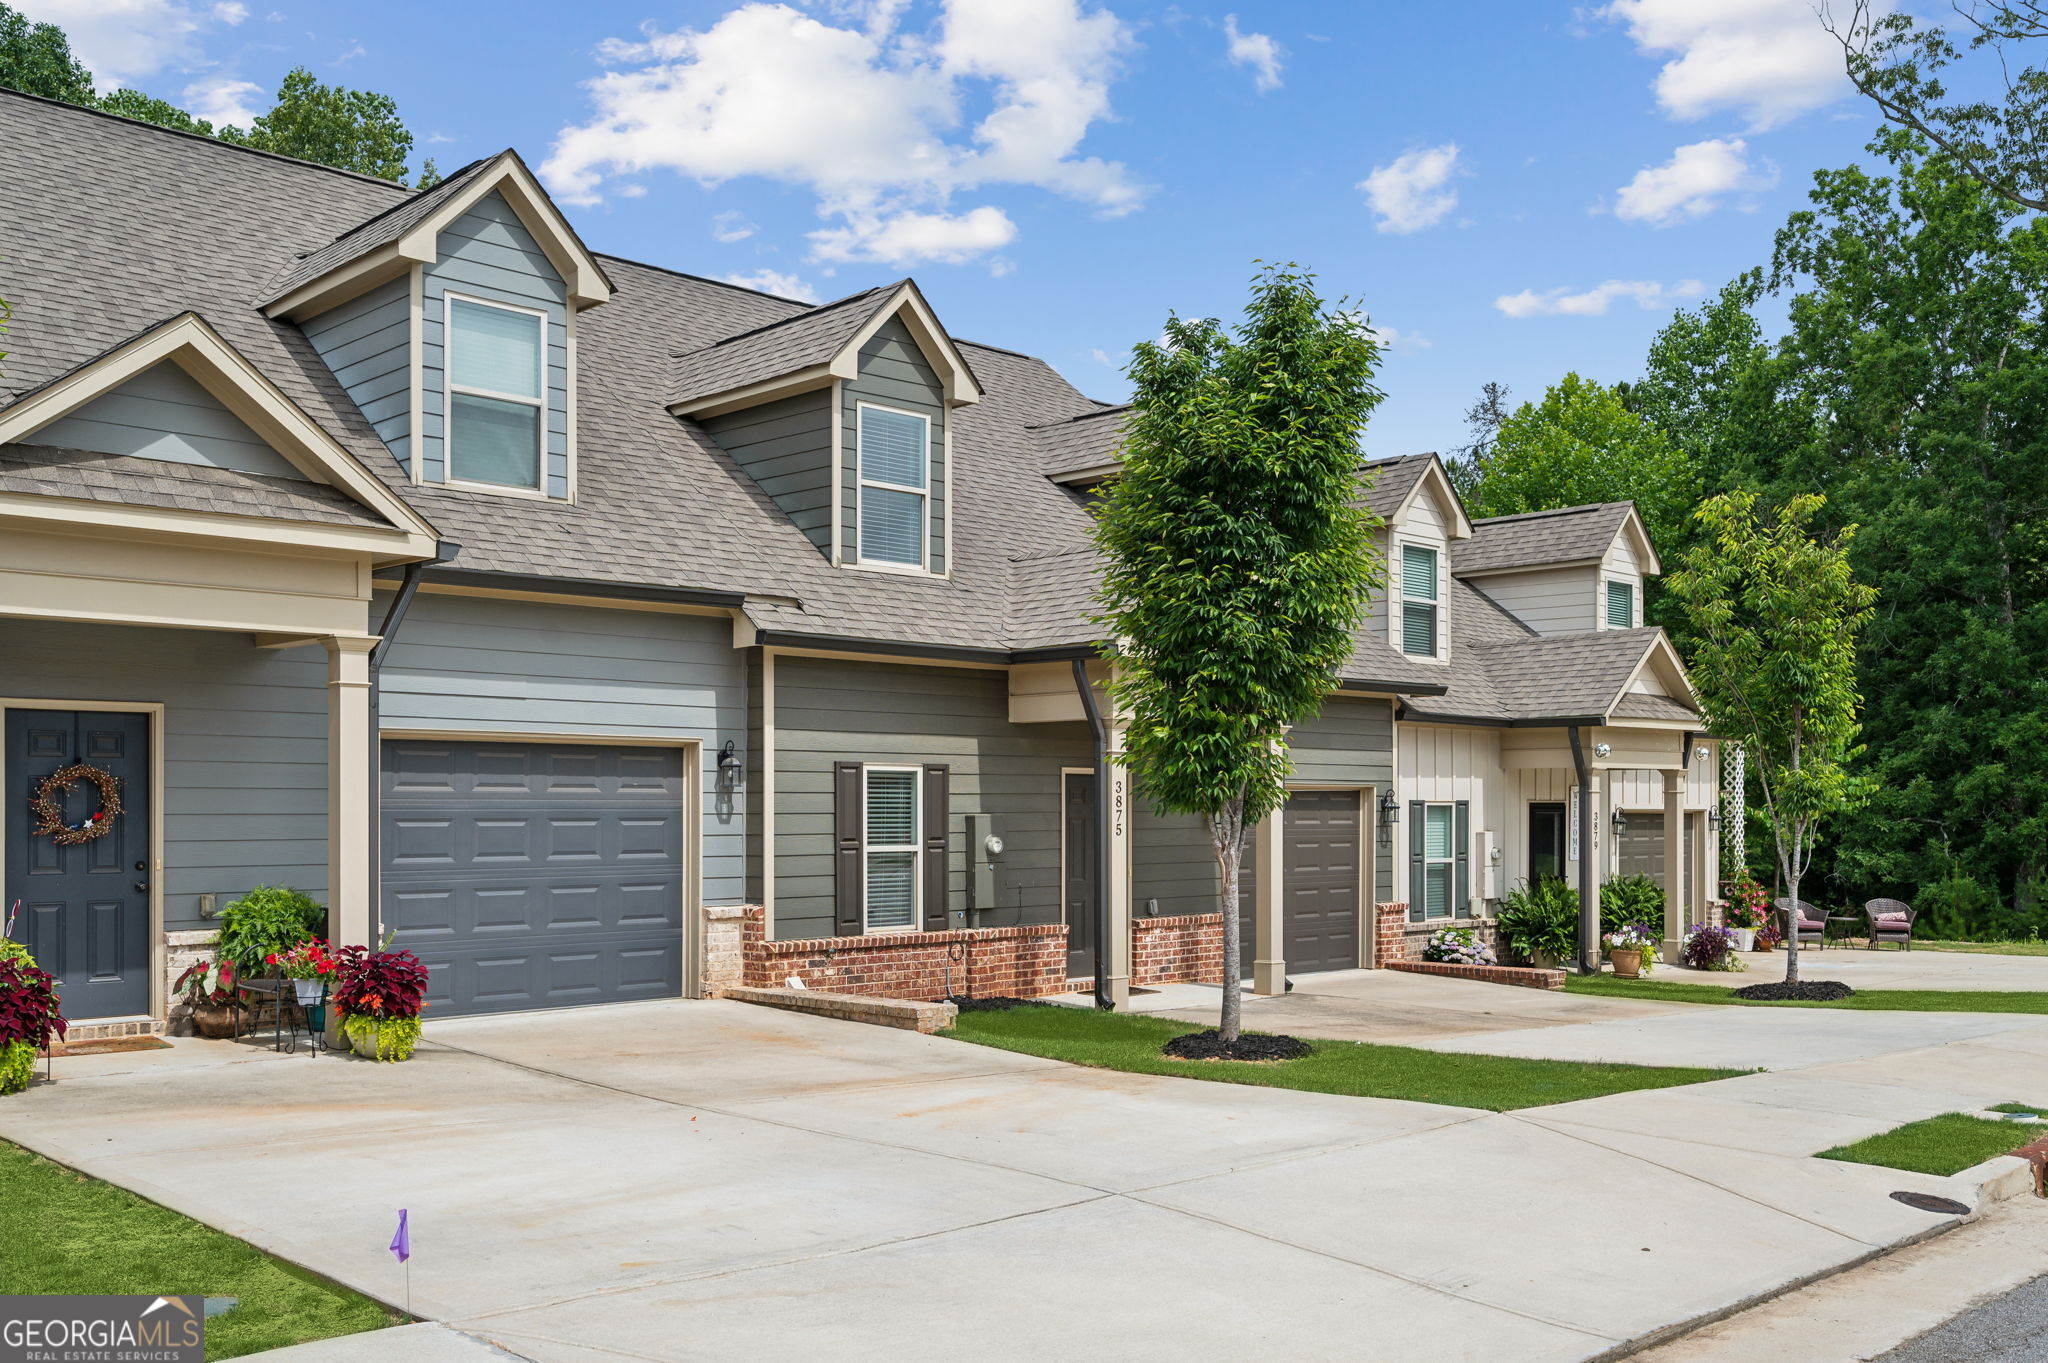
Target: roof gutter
{"points": [[1589, 912], [575, 586], [1104, 848], [394, 618]]}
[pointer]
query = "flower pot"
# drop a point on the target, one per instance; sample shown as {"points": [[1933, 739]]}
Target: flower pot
{"points": [[1543, 960], [1745, 938], [372, 1043], [215, 1021], [1627, 964], [309, 992]]}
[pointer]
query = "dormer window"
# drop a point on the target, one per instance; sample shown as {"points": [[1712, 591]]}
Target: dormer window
{"points": [[497, 409], [894, 452], [1419, 601], [1621, 605]]}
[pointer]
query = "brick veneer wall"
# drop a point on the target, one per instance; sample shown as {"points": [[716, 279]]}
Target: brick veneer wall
{"points": [[1398, 940], [1182, 950], [1527, 976], [1021, 962]]}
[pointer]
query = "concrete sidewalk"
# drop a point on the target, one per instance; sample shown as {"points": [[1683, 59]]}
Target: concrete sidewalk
{"points": [[684, 1180]]}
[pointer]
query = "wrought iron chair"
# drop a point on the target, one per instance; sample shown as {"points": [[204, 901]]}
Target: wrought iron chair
{"points": [[1891, 920], [1811, 922]]}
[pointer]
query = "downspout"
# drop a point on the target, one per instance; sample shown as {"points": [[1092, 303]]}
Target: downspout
{"points": [[394, 617], [1100, 731], [1589, 923]]}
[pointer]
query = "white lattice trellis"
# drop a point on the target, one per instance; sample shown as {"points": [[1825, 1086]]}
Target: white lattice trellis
{"points": [[1734, 811]]}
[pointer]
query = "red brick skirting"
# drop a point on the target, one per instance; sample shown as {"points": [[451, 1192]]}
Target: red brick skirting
{"points": [[1021, 962], [1184, 950], [1527, 976], [1390, 935]]}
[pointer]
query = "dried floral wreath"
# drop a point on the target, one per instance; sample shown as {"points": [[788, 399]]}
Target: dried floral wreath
{"points": [[48, 804]]}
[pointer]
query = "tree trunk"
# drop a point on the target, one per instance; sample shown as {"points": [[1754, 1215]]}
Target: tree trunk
{"points": [[1792, 931], [1226, 834]]}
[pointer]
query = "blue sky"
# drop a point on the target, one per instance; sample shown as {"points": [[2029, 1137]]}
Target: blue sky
{"points": [[1510, 190]]}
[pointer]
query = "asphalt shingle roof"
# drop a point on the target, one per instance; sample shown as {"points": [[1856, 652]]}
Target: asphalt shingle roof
{"points": [[1567, 535], [1393, 479], [1088, 441], [782, 346], [86, 475], [380, 230]]}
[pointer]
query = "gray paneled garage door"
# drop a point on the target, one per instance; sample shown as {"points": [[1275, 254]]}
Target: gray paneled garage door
{"points": [[535, 875]]}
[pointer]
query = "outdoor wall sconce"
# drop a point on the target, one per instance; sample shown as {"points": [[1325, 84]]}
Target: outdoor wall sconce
{"points": [[1603, 750], [1714, 819], [1699, 753], [1620, 823], [729, 763], [1390, 810]]}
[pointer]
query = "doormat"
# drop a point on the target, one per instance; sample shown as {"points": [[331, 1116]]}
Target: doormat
{"points": [[112, 1045]]}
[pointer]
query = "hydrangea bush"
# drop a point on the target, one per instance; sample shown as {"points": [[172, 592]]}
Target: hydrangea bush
{"points": [[1457, 946]]}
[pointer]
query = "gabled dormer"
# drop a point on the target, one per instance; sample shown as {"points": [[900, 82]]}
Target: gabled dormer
{"points": [[1574, 569], [1424, 520], [451, 320], [843, 416]]}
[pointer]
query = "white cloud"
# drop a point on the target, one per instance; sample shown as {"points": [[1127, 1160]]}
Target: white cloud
{"points": [[731, 226], [868, 117], [1104, 358], [124, 41], [1410, 194], [1395, 339], [1255, 50], [223, 102], [775, 282], [1769, 60], [1692, 183], [1594, 302]]}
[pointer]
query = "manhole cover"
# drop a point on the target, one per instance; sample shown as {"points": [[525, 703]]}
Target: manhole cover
{"points": [[1928, 1202]]}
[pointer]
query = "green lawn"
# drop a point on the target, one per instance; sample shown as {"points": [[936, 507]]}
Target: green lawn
{"points": [[1987, 948], [2032, 1109], [1865, 1000], [67, 1233], [1125, 1041], [1942, 1145]]}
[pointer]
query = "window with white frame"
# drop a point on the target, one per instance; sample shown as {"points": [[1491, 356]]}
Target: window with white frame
{"points": [[890, 847], [1419, 604], [1621, 605], [894, 454], [497, 394], [1439, 860]]}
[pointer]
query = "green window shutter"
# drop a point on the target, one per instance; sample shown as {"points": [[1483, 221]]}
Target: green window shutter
{"points": [[1418, 600], [1417, 891], [938, 846], [1438, 888], [1418, 572], [1461, 904], [849, 890], [1621, 606]]}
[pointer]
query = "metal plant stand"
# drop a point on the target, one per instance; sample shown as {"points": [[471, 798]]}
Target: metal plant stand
{"points": [[287, 1018]]}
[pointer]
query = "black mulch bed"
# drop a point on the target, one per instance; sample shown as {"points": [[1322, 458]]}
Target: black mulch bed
{"points": [[997, 1003], [1804, 991], [1210, 1045]]}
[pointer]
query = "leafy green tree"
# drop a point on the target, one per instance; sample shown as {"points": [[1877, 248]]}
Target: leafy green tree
{"points": [[149, 109], [1239, 559], [36, 60], [1774, 611], [1467, 464], [355, 130]]}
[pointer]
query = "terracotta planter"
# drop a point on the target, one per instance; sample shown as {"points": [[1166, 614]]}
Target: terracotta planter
{"points": [[215, 1021], [1628, 965]]}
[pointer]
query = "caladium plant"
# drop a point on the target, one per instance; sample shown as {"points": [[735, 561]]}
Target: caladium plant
{"points": [[28, 1005]]}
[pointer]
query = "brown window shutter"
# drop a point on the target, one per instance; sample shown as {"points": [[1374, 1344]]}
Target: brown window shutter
{"points": [[938, 847], [849, 883]]}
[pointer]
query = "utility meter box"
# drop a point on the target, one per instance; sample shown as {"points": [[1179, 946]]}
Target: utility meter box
{"points": [[984, 853]]}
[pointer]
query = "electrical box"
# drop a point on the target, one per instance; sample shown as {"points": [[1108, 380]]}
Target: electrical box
{"points": [[984, 850], [1489, 865]]}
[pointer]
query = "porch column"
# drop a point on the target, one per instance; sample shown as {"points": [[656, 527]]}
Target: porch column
{"points": [[1114, 955], [1592, 869], [1269, 954], [1674, 863], [350, 772]]}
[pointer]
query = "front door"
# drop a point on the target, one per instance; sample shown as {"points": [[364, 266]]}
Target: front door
{"points": [[1077, 801], [1546, 841], [82, 910]]}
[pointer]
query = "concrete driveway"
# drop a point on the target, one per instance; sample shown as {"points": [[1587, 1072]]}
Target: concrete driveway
{"points": [[698, 1180]]}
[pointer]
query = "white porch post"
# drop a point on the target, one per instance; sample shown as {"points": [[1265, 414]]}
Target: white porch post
{"points": [[1114, 955], [1674, 863], [1593, 848], [350, 770], [1269, 955]]}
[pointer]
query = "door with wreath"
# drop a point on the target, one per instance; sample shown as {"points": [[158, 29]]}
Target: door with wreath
{"points": [[78, 856]]}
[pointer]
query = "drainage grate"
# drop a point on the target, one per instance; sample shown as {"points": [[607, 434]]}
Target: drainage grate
{"points": [[1928, 1202]]}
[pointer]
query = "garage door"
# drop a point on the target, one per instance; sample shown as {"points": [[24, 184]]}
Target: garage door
{"points": [[1640, 851], [1319, 883], [535, 875]]}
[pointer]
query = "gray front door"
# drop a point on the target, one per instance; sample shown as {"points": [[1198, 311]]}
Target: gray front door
{"points": [[82, 910], [535, 875], [1641, 848], [1320, 879], [1077, 797]]}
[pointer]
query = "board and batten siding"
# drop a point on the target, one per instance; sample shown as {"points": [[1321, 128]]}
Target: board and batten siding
{"points": [[1547, 600], [1621, 565], [1627, 790], [1443, 764], [367, 344], [785, 446], [829, 711], [475, 665], [244, 746], [164, 413], [488, 254], [894, 373]]}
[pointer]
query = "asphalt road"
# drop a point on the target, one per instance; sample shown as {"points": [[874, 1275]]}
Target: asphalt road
{"points": [[2012, 1328]]}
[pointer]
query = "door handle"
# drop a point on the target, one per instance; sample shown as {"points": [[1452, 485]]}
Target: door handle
{"points": [[141, 886]]}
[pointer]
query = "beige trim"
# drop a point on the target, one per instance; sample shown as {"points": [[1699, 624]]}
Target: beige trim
{"points": [[1117, 878], [768, 792], [1083, 477], [195, 347], [1662, 656], [923, 325], [1457, 525], [159, 1000], [351, 783], [568, 408], [852, 657], [171, 524], [952, 512], [1269, 906], [352, 280], [754, 394], [1060, 893], [1647, 562], [1464, 574], [416, 368], [570, 599], [838, 485]]}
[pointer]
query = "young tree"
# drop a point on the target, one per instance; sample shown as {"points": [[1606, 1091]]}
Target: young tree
{"points": [[1774, 612], [1239, 558], [355, 130]]}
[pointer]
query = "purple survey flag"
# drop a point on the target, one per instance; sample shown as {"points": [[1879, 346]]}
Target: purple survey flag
{"points": [[401, 1243]]}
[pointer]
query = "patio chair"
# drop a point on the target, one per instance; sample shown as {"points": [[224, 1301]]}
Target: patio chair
{"points": [[1891, 920], [1812, 922]]}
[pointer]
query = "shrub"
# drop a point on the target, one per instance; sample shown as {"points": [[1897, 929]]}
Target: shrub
{"points": [[1540, 918], [1626, 900], [1457, 946], [28, 1020], [1708, 947], [17, 1066], [268, 920]]}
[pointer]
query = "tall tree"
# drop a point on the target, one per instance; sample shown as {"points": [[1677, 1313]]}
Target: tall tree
{"points": [[1239, 558], [355, 130], [36, 59], [1774, 611], [1468, 463]]}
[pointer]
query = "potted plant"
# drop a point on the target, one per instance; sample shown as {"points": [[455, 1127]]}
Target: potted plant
{"points": [[209, 990], [29, 1017], [1629, 947], [308, 966], [1539, 922], [380, 995], [1749, 906], [1709, 947], [270, 919]]}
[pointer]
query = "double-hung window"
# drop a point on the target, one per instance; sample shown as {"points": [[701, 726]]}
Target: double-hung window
{"points": [[894, 451], [1621, 605], [1419, 604], [890, 847], [497, 394], [1439, 861]]}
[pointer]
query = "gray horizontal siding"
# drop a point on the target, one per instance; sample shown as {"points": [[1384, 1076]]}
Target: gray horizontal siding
{"points": [[244, 739], [893, 373], [367, 342], [1350, 743], [164, 413], [785, 446], [480, 665]]}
